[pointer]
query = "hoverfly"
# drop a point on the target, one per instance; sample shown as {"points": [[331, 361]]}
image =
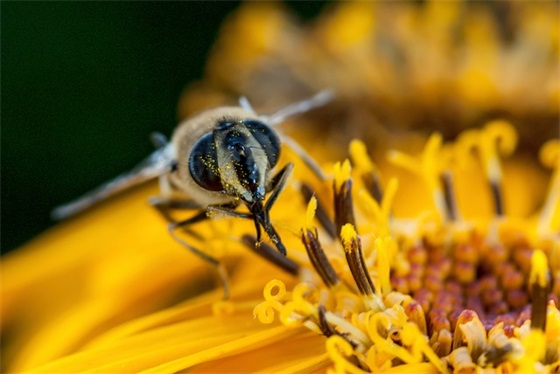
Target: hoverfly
{"points": [[216, 161]]}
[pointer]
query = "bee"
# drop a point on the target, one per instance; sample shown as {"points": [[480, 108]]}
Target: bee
{"points": [[216, 161]]}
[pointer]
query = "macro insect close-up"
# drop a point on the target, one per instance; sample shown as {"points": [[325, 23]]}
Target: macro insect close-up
{"points": [[215, 161], [347, 187]]}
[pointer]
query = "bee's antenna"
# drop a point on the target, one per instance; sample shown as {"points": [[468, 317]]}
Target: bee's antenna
{"points": [[303, 106], [245, 104]]}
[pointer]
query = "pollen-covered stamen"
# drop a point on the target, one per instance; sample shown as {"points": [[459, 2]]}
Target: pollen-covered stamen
{"points": [[353, 250], [539, 282], [318, 258], [343, 205], [270, 254], [321, 213], [315, 252], [368, 172]]}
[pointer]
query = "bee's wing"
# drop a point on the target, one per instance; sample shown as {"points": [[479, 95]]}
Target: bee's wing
{"points": [[157, 164]]}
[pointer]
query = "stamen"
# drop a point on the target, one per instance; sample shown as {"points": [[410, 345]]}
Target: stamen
{"points": [[461, 361], [384, 247], [474, 334], [343, 206], [498, 199], [328, 330], [318, 258], [442, 340], [367, 169], [449, 195], [270, 254], [539, 281], [494, 356], [415, 314], [353, 250], [320, 213], [496, 137], [380, 213], [465, 316]]}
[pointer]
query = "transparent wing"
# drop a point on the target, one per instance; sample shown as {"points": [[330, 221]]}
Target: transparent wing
{"points": [[157, 164]]}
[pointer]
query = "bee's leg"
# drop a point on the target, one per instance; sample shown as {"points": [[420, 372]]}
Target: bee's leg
{"points": [[261, 216], [229, 211], [165, 205], [270, 254], [202, 255], [277, 184]]}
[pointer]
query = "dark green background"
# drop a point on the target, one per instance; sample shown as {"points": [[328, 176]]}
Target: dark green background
{"points": [[83, 85]]}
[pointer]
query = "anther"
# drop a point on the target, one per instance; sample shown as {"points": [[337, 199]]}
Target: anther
{"points": [[318, 258], [446, 179], [353, 250], [369, 173], [343, 205], [321, 214], [539, 282]]}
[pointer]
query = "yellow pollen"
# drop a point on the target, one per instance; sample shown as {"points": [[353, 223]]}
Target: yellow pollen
{"points": [[348, 234], [360, 158], [341, 173], [310, 215], [539, 269]]}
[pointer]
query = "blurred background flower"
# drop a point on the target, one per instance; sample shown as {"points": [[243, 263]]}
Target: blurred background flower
{"points": [[400, 71]]}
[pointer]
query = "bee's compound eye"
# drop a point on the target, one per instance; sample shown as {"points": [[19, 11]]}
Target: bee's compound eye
{"points": [[267, 138], [203, 164]]}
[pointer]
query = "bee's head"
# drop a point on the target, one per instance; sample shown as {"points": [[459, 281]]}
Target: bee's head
{"points": [[236, 159]]}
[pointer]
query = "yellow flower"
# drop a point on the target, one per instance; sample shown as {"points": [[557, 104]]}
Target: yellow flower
{"points": [[425, 255]]}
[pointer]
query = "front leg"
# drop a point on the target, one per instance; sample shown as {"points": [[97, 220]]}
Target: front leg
{"points": [[277, 184], [165, 205]]}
